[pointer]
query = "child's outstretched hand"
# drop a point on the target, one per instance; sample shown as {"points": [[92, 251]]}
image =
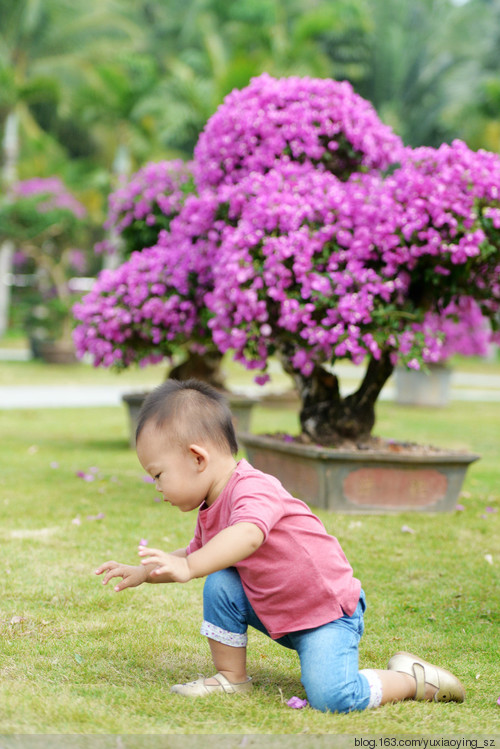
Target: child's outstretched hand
{"points": [[170, 568], [132, 576]]}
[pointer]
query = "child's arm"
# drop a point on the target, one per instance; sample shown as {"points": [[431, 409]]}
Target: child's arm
{"points": [[229, 546], [132, 575]]}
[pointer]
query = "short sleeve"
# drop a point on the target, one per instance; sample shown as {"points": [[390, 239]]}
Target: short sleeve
{"points": [[254, 500]]}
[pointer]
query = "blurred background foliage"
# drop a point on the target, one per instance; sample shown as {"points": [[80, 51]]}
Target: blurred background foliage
{"points": [[91, 91], [110, 84]]}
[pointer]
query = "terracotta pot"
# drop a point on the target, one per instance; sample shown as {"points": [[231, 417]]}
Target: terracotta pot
{"points": [[241, 408], [361, 481]]}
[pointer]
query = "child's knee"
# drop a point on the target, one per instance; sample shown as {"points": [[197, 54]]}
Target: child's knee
{"points": [[333, 697]]}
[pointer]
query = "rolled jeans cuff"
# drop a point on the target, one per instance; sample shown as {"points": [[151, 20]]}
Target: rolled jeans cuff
{"points": [[233, 639]]}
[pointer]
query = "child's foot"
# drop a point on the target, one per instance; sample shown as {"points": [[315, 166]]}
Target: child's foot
{"points": [[200, 688], [433, 682]]}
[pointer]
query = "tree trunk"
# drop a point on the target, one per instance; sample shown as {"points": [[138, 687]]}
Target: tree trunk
{"points": [[10, 153], [205, 367], [326, 417]]}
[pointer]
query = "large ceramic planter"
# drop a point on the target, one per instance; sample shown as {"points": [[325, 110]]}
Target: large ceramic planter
{"points": [[361, 481], [57, 352], [241, 408], [418, 388]]}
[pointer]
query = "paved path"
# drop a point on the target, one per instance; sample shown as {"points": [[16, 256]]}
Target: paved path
{"points": [[464, 387]]}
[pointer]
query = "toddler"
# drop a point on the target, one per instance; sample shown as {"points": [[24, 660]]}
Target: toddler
{"points": [[268, 563]]}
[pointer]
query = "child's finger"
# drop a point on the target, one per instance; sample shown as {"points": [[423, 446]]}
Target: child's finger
{"points": [[160, 570], [147, 551], [151, 560], [105, 566], [116, 572], [121, 586]]}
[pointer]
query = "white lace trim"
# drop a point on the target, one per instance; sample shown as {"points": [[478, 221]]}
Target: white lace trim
{"points": [[375, 685], [234, 639]]}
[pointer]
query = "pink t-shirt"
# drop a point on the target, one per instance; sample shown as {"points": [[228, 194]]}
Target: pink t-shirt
{"points": [[299, 577]]}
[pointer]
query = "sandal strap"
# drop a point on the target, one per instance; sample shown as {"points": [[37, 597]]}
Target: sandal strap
{"points": [[419, 673], [228, 686], [224, 683]]}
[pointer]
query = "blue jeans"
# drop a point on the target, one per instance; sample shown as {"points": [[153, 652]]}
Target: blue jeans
{"points": [[328, 654]]}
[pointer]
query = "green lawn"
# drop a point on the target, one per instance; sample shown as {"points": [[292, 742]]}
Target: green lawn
{"points": [[75, 658]]}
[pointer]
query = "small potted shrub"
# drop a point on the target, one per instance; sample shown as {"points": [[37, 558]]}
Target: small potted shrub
{"points": [[464, 331], [46, 223]]}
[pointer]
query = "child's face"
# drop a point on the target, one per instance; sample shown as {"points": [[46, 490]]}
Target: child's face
{"points": [[179, 473]]}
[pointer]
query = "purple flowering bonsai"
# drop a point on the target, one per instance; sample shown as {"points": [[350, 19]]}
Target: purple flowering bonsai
{"points": [[324, 270], [314, 237]]}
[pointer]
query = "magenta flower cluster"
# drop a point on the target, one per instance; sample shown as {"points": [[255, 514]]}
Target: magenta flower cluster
{"points": [[153, 303], [150, 198], [53, 195], [321, 121], [298, 244], [324, 270]]}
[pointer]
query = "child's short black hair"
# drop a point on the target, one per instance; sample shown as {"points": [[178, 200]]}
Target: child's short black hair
{"points": [[191, 411]]}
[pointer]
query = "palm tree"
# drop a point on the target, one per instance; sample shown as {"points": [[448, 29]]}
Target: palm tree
{"points": [[418, 62], [205, 48], [45, 49]]}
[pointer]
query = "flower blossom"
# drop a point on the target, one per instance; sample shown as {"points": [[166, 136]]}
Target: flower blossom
{"points": [[55, 192], [144, 310], [321, 121], [146, 204]]}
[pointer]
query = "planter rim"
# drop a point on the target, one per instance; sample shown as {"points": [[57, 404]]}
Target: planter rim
{"points": [[382, 456]]}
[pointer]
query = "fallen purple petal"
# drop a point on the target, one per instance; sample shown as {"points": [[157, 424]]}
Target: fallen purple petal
{"points": [[157, 499], [492, 509], [459, 508], [76, 521], [143, 542], [296, 703], [85, 476], [498, 701], [148, 479], [407, 529]]}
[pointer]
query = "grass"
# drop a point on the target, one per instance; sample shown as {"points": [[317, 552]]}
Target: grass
{"points": [[75, 658]]}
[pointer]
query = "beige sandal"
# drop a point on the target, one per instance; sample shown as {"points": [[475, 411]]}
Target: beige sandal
{"points": [[198, 688], [448, 687]]}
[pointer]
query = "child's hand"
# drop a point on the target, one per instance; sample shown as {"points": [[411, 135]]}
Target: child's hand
{"points": [[170, 568], [132, 576]]}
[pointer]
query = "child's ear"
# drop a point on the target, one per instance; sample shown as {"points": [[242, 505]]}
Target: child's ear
{"points": [[200, 456]]}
